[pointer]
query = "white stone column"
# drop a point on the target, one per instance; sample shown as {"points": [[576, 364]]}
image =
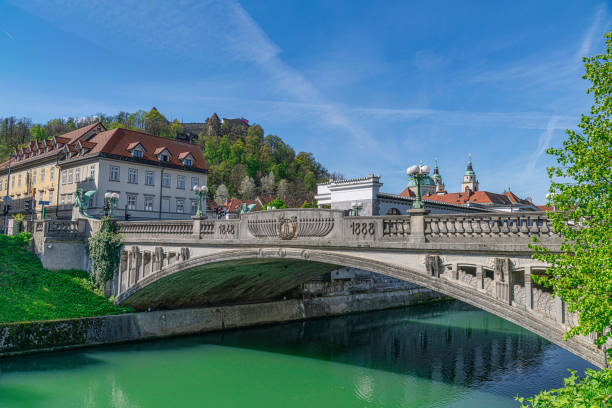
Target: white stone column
{"points": [[559, 315], [417, 224], [479, 278], [528, 289]]}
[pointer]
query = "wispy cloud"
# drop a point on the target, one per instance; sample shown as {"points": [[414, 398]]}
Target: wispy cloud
{"points": [[9, 35], [543, 143], [594, 31]]}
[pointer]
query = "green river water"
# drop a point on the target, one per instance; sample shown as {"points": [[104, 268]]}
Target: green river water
{"points": [[440, 355]]}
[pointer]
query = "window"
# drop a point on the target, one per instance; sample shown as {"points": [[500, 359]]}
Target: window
{"points": [[187, 162], [64, 172], [148, 203], [92, 172], [77, 175], [50, 195], [34, 177], [163, 157], [194, 182], [194, 206], [131, 201], [133, 176], [42, 175], [114, 173], [19, 181], [180, 205], [137, 154], [166, 180], [180, 182], [70, 176], [149, 178], [51, 173], [13, 184]]}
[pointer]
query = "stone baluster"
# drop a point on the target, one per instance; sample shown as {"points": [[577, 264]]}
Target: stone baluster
{"points": [[455, 271]]}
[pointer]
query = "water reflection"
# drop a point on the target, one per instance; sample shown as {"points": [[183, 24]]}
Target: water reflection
{"points": [[432, 355]]}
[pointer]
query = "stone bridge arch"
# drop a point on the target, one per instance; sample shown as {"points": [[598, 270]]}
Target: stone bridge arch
{"points": [[196, 277]]}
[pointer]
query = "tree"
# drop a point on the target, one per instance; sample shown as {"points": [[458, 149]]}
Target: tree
{"points": [[267, 184], [581, 274], [247, 188], [222, 194], [175, 128], [237, 175], [277, 203], [213, 126], [282, 190], [155, 123]]}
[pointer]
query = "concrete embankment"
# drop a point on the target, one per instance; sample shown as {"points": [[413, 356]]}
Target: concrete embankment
{"points": [[21, 338]]}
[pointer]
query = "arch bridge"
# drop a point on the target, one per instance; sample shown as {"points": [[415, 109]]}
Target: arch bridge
{"points": [[478, 258]]}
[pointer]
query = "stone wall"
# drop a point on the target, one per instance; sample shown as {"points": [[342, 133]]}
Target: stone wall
{"points": [[21, 338]]}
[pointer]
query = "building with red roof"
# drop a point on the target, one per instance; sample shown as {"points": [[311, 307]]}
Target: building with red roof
{"points": [[153, 176]]}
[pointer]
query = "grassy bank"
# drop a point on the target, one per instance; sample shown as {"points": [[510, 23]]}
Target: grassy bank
{"points": [[29, 292]]}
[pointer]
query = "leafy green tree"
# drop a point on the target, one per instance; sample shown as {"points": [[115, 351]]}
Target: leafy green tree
{"points": [[175, 128], [581, 274], [155, 123], [276, 203], [38, 132]]}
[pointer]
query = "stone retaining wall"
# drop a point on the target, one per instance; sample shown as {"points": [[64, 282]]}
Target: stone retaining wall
{"points": [[21, 338]]}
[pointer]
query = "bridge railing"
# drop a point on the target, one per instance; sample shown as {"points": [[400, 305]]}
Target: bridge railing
{"points": [[440, 227], [58, 229], [333, 225]]}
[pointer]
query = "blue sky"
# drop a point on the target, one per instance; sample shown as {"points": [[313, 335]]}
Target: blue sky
{"points": [[367, 86]]}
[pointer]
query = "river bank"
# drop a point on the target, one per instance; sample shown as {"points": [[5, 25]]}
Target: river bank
{"points": [[31, 337]]}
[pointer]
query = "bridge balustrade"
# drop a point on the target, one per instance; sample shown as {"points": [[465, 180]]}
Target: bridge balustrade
{"points": [[334, 225]]}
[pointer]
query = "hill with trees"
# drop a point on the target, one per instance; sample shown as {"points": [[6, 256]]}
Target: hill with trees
{"points": [[243, 161]]}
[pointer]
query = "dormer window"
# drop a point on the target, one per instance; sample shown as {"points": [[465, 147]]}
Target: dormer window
{"points": [[137, 150], [163, 154], [137, 154], [186, 158]]}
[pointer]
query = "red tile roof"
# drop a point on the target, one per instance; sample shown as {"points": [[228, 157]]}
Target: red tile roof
{"points": [[116, 141]]}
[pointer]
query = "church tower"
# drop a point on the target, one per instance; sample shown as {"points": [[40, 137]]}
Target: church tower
{"points": [[469, 178], [437, 178]]}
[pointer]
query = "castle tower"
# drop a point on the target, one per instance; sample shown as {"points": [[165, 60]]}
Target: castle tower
{"points": [[469, 178], [437, 178]]}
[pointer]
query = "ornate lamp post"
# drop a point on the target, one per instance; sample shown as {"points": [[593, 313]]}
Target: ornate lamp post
{"points": [[110, 202], [419, 173], [200, 191], [7, 198]]}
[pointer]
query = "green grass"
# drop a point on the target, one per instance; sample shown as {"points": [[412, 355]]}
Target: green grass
{"points": [[28, 292]]}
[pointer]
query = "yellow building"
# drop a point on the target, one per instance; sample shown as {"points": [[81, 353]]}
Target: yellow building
{"points": [[34, 174]]}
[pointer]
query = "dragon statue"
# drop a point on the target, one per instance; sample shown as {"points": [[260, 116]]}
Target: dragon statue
{"points": [[243, 208], [81, 199]]}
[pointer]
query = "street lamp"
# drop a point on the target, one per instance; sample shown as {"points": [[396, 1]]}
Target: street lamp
{"points": [[200, 191], [419, 173], [7, 197], [110, 202]]}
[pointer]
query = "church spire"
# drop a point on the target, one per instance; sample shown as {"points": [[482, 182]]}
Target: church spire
{"points": [[469, 178]]}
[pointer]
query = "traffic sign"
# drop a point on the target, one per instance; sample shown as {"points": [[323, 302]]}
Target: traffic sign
{"points": [[44, 202]]}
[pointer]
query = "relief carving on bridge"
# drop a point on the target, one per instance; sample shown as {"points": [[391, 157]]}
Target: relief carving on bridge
{"points": [[288, 228]]}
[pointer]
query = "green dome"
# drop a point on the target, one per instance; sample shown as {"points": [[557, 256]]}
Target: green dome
{"points": [[469, 171], [428, 181]]}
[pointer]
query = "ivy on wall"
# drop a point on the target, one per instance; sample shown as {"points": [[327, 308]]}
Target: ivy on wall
{"points": [[104, 249]]}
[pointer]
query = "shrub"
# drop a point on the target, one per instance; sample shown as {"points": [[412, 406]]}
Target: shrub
{"points": [[104, 249]]}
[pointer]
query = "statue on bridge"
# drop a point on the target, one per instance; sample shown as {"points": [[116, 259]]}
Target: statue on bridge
{"points": [[243, 208], [81, 199]]}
